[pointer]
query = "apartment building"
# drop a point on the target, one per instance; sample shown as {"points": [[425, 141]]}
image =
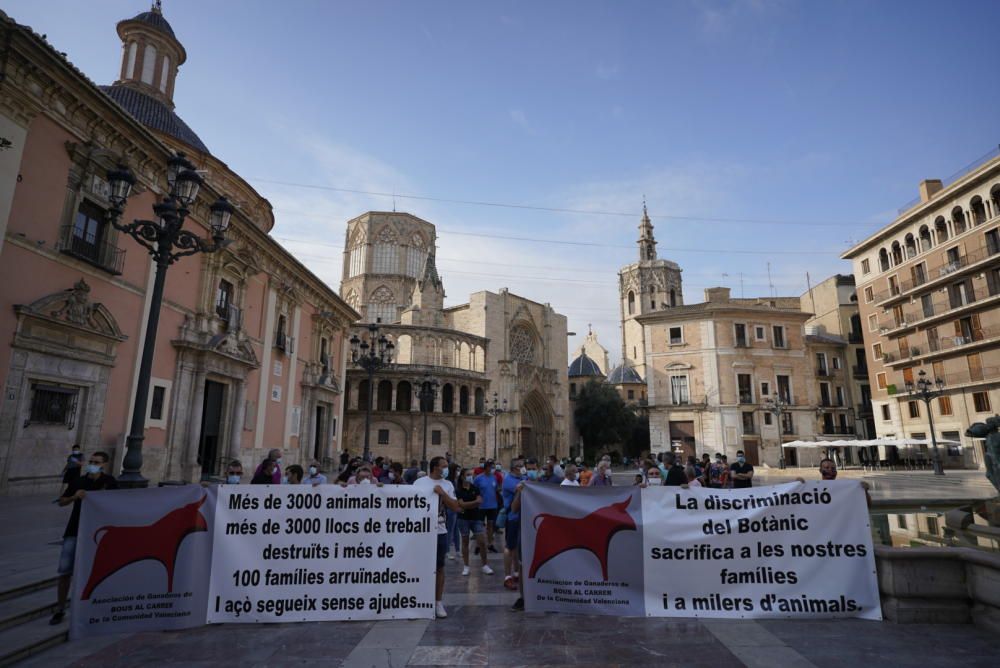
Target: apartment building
{"points": [[928, 289]]}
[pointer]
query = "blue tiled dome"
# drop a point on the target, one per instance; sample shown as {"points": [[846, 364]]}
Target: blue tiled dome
{"points": [[584, 366], [154, 19], [623, 374], [154, 114]]}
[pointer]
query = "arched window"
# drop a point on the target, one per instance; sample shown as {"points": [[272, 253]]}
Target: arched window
{"points": [[911, 246], [978, 210], [897, 253], [941, 229], [148, 64], [883, 260], [995, 199], [357, 262], [480, 401], [447, 398], [925, 239], [416, 256], [631, 303], [522, 345], [382, 306], [463, 400], [384, 402], [384, 259], [673, 297], [958, 220], [404, 395], [164, 74]]}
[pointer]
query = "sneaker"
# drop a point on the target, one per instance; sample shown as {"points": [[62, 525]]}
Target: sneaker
{"points": [[57, 618], [508, 583], [451, 556], [518, 604], [493, 550], [487, 569], [465, 570], [442, 613]]}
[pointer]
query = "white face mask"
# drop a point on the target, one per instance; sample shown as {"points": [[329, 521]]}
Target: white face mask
{"points": [[392, 476], [233, 479], [444, 472], [655, 481], [313, 470], [278, 460], [521, 471], [364, 481]]}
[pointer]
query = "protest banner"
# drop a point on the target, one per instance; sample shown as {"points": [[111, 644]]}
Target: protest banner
{"points": [[141, 560], [324, 553], [791, 550]]}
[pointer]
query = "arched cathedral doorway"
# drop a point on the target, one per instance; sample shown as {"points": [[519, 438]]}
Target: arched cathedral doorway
{"points": [[537, 426]]}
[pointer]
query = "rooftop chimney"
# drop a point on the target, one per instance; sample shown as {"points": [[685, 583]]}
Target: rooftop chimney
{"points": [[929, 188], [717, 295]]}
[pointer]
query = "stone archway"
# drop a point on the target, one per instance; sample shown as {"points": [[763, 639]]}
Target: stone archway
{"points": [[537, 426]]}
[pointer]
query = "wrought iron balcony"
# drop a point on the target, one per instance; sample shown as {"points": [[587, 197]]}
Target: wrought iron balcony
{"points": [[97, 253]]}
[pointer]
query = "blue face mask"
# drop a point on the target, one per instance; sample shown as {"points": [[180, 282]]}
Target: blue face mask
{"points": [[93, 469], [532, 475], [468, 479], [233, 480], [444, 472]]}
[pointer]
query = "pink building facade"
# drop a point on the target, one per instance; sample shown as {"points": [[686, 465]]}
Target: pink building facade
{"points": [[250, 351]]}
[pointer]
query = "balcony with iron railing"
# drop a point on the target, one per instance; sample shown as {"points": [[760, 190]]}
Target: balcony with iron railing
{"points": [[937, 274], [833, 430], [956, 379], [97, 252], [944, 306], [945, 345]]}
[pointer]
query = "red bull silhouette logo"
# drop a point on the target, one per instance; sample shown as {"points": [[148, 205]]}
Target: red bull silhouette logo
{"points": [[555, 535], [118, 547]]}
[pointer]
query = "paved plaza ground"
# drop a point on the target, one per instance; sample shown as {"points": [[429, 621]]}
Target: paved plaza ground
{"points": [[482, 629]]}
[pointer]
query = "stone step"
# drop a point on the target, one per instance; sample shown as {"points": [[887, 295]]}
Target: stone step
{"points": [[28, 638], [25, 608], [26, 583]]}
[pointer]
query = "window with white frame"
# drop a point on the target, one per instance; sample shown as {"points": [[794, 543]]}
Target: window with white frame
{"points": [[679, 390], [760, 332], [765, 389], [866, 267], [158, 403], [873, 322], [676, 335], [779, 336]]}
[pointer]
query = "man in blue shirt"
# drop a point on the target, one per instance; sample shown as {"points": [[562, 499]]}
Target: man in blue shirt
{"points": [[486, 483], [512, 526]]}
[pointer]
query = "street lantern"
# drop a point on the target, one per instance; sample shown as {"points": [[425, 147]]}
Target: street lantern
{"points": [[927, 390], [426, 395], [496, 410], [222, 212], [166, 241], [372, 354], [777, 406]]}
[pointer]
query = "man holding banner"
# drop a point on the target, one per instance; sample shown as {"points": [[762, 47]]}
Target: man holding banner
{"points": [[436, 481]]}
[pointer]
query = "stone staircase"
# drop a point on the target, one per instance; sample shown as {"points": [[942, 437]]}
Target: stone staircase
{"points": [[24, 621]]}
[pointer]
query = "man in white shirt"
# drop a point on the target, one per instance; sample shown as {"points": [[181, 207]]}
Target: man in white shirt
{"points": [[572, 478], [315, 477], [437, 482]]}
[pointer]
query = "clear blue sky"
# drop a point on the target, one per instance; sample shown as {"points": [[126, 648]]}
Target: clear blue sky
{"points": [[804, 112]]}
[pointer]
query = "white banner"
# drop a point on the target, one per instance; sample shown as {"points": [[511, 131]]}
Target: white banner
{"points": [[140, 560], [289, 553], [792, 550]]}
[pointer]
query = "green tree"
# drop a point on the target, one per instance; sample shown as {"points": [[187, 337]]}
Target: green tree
{"points": [[602, 418]]}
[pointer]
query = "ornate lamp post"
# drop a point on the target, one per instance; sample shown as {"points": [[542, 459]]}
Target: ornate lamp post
{"points": [[372, 355], [166, 242], [777, 406], [928, 390], [496, 410], [426, 395]]}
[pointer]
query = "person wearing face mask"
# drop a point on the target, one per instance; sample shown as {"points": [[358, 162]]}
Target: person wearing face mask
{"points": [[234, 472], [363, 476], [470, 519], [436, 481], [265, 473], [674, 475], [715, 472], [92, 479], [393, 475], [315, 477], [571, 479], [741, 472], [74, 463], [549, 475], [489, 490], [602, 475], [512, 528], [653, 477], [273, 454]]}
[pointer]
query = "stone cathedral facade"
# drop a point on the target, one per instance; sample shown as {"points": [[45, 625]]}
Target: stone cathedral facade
{"points": [[497, 346]]}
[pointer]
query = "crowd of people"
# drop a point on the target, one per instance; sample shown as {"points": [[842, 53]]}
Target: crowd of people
{"points": [[478, 505]]}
